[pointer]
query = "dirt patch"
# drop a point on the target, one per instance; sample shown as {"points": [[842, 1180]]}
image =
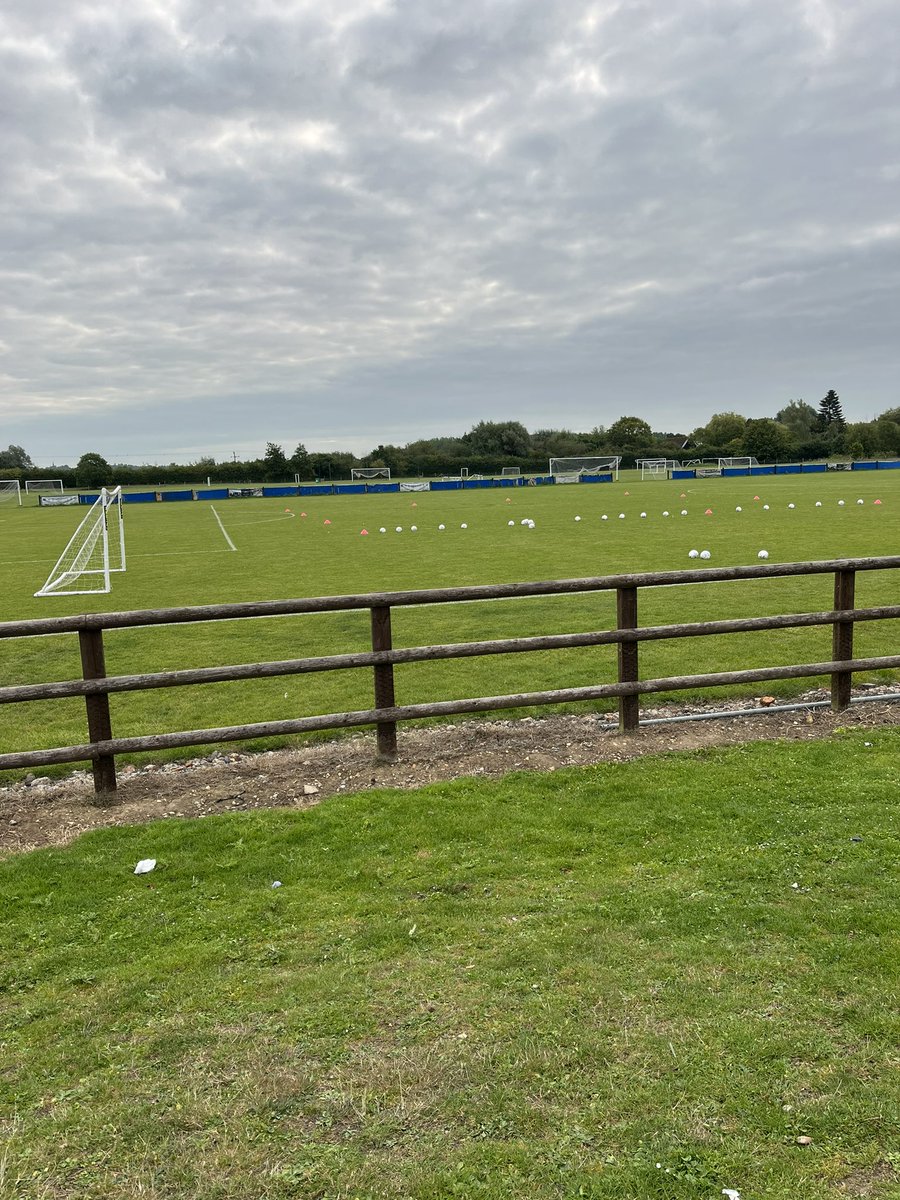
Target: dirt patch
{"points": [[49, 812]]}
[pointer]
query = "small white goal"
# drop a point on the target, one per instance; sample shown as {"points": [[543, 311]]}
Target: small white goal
{"points": [[95, 551]]}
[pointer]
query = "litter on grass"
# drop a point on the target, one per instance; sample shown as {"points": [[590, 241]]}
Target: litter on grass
{"points": [[145, 866]]}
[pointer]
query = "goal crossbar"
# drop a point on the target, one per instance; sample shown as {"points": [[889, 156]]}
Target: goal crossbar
{"points": [[10, 490]]}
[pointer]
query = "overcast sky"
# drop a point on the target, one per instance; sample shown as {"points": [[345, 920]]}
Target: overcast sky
{"points": [[355, 222]]}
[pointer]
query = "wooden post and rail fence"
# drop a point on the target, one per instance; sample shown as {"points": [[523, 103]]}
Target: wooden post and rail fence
{"points": [[96, 686]]}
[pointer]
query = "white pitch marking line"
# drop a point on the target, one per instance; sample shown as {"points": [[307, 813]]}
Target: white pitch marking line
{"points": [[231, 544]]}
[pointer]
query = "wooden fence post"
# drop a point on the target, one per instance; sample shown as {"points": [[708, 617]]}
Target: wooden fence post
{"points": [[627, 618], [93, 666], [842, 639], [386, 731]]}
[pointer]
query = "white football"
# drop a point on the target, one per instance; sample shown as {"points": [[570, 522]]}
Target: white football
{"points": [[766, 507], [382, 530], [513, 522], [693, 553], [442, 526], [704, 554], [464, 525], [413, 529], [665, 514], [621, 516], [604, 517], [790, 506], [818, 504], [763, 554], [399, 529], [840, 502], [860, 502], [684, 512], [738, 509], [643, 514], [578, 518]]}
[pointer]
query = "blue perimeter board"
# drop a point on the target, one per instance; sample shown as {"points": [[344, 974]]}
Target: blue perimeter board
{"points": [[456, 485]]}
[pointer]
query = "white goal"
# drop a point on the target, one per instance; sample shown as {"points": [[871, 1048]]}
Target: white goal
{"points": [[657, 468], [10, 492], [44, 485], [601, 465], [370, 472], [95, 551], [510, 470], [746, 461]]}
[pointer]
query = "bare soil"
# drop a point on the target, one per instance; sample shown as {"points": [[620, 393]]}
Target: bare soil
{"points": [[51, 812]]}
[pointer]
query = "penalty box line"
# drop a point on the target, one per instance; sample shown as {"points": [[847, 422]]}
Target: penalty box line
{"points": [[231, 545]]}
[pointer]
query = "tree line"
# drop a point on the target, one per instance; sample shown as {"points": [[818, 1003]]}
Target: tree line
{"points": [[797, 433]]}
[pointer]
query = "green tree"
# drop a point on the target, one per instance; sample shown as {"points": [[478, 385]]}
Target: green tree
{"points": [[766, 440], [629, 433], [15, 458], [299, 462], [276, 463], [498, 439], [830, 411], [800, 418], [721, 429], [92, 470]]}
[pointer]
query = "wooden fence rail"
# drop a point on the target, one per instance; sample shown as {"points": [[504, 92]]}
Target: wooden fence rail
{"points": [[96, 686]]}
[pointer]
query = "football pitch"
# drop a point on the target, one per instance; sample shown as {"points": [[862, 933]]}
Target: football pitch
{"points": [[233, 550]]}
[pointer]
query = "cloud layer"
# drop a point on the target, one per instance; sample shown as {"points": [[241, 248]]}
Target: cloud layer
{"points": [[361, 222]]}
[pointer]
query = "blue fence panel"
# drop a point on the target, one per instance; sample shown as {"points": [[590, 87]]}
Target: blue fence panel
{"points": [[138, 497], [212, 493], [187, 494], [446, 485], [316, 489], [787, 469], [88, 497], [864, 466], [731, 472], [349, 489], [814, 468], [382, 487], [685, 473], [282, 490], [510, 481], [596, 479], [762, 470], [889, 464]]}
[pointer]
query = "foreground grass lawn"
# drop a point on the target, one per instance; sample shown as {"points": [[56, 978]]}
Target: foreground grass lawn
{"points": [[640, 980]]}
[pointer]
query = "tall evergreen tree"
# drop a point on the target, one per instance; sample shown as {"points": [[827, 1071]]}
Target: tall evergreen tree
{"points": [[830, 411]]}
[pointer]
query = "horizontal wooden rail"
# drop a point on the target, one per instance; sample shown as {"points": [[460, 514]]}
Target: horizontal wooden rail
{"points": [[369, 600], [96, 686], [18, 693], [438, 708]]}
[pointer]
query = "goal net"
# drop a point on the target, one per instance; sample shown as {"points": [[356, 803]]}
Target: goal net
{"points": [[510, 470], [44, 485], [749, 461], [10, 492], [606, 464], [95, 551], [657, 468], [370, 472]]}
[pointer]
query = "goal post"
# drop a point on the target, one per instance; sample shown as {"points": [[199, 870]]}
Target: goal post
{"points": [[95, 551], [745, 461], [44, 485], [514, 471], [597, 465], [370, 472], [10, 492], [657, 468]]}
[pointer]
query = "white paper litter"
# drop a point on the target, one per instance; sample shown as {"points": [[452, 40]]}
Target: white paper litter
{"points": [[145, 866]]}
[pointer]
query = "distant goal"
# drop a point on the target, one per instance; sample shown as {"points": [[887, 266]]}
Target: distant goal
{"points": [[44, 486], [571, 470], [657, 468], [95, 551], [370, 472], [10, 492]]}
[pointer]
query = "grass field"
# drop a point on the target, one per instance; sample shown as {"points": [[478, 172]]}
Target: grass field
{"points": [[181, 553], [649, 981]]}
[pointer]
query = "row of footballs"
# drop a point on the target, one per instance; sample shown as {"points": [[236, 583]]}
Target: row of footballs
{"points": [[706, 554], [709, 511]]}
